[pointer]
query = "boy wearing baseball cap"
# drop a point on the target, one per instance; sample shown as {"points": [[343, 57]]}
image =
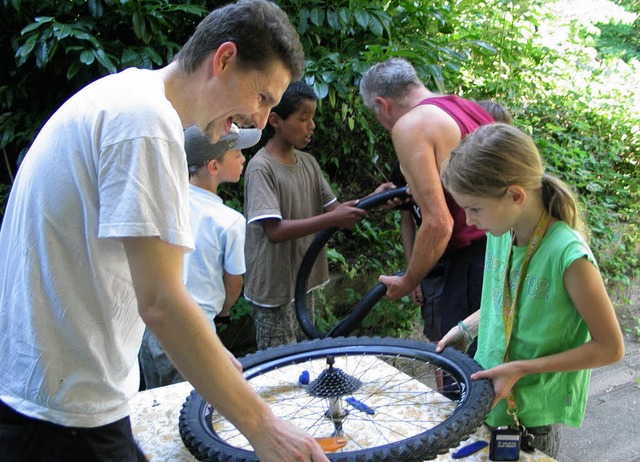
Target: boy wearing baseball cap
{"points": [[213, 272]]}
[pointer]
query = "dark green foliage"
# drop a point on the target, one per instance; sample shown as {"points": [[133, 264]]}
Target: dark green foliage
{"points": [[602, 167], [52, 48], [621, 40], [477, 48]]}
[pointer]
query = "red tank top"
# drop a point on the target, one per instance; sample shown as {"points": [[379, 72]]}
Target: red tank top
{"points": [[469, 116]]}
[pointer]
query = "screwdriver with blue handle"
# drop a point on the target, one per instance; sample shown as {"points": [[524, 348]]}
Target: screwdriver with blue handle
{"points": [[469, 449]]}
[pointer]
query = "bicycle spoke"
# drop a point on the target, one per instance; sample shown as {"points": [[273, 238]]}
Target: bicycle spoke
{"points": [[377, 396], [403, 405]]}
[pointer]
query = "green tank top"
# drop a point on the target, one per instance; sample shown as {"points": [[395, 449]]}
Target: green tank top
{"points": [[547, 322]]}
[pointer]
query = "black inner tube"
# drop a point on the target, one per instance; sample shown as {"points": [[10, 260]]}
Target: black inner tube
{"points": [[346, 326]]}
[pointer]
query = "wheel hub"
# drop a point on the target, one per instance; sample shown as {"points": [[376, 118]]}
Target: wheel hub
{"points": [[333, 382]]}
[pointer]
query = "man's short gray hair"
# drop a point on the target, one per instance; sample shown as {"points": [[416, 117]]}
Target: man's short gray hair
{"points": [[393, 78]]}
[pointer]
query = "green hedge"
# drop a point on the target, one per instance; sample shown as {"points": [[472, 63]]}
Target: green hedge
{"points": [[479, 49]]}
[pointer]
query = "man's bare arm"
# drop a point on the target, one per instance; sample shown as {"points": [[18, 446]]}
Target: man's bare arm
{"points": [[415, 143], [185, 334]]}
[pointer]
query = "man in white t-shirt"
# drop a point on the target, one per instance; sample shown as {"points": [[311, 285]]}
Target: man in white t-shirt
{"points": [[213, 272], [93, 238]]}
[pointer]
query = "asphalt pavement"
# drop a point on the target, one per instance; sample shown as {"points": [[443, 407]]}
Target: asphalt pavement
{"points": [[611, 428]]}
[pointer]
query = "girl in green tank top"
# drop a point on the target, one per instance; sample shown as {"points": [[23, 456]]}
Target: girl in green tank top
{"points": [[545, 319]]}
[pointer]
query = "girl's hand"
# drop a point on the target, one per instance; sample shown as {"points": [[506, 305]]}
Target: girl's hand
{"points": [[504, 377], [454, 338]]}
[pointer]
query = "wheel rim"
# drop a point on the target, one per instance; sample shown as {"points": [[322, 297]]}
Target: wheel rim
{"points": [[395, 410]]}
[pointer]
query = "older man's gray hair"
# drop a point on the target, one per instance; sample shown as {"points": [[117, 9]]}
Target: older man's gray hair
{"points": [[393, 78]]}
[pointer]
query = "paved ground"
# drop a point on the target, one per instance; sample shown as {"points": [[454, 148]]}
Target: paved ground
{"points": [[611, 429]]}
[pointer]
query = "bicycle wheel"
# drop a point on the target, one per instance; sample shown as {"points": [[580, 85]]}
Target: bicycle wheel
{"points": [[345, 326], [376, 393]]}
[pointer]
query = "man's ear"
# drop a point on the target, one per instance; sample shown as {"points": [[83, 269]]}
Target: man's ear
{"points": [[224, 56], [382, 103], [517, 193]]}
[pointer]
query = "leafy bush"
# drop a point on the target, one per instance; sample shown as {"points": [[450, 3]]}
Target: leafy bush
{"points": [[57, 47], [584, 120], [621, 40], [597, 165]]}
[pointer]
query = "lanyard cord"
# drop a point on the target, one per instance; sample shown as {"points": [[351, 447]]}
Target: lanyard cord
{"points": [[509, 303]]}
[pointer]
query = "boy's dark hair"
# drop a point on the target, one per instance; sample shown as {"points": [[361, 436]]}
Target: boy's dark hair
{"points": [[290, 102], [261, 31]]}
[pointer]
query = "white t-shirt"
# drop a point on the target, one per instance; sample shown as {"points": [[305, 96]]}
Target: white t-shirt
{"points": [[109, 163], [219, 235]]}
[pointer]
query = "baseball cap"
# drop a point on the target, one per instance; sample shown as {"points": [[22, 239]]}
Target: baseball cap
{"points": [[200, 151]]}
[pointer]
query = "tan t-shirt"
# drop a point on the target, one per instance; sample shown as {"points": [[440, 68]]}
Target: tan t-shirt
{"points": [[287, 192]]}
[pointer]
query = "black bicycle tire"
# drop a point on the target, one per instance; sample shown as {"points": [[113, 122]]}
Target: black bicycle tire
{"points": [[471, 410], [353, 319]]}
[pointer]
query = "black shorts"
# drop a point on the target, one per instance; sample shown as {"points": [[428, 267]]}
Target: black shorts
{"points": [[453, 289], [25, 439]]}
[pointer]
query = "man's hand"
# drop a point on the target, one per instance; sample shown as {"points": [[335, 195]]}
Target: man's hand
{"points": [[397, 286], [417, 296], [281, 441]]}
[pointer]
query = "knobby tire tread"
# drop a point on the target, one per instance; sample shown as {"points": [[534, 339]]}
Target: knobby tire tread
{"points": [[468, 416]]}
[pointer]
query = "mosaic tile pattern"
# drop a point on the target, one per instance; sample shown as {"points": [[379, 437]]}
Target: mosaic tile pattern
{"points": [[155, 413]]}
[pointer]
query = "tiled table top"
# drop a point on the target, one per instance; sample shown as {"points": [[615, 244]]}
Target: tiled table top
{"points": [[155, 413]]}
